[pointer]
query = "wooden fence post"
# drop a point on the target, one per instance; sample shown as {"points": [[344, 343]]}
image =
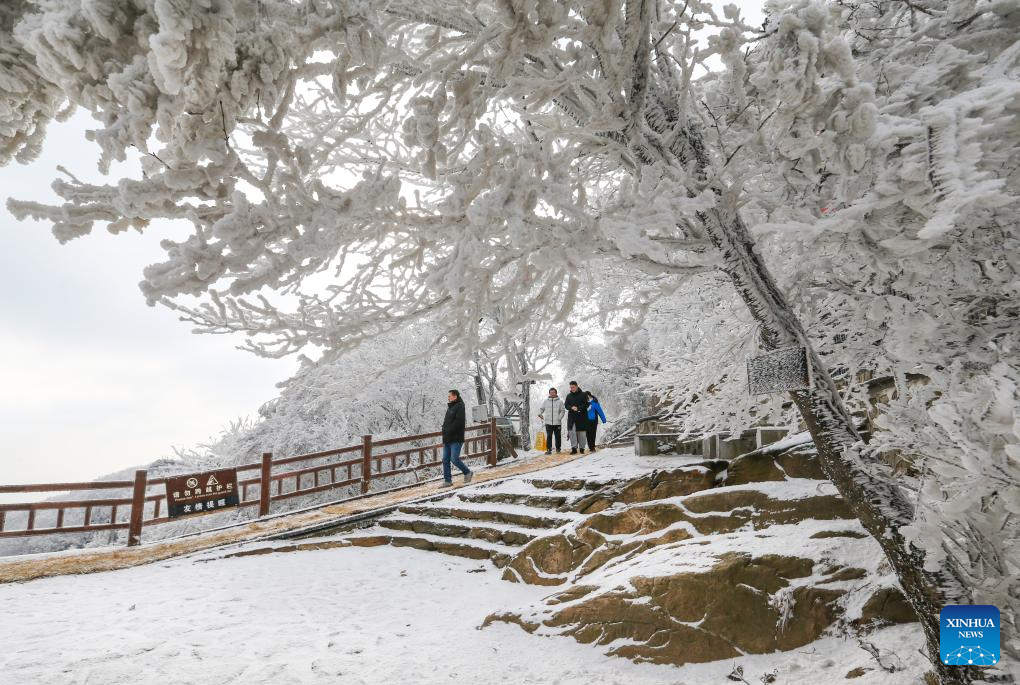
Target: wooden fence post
{"points": [[366, 463], [492, 441], [265, 483], [137, 509]]}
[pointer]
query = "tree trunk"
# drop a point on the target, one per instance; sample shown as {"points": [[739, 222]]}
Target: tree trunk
{"points": [[522, 360], [871, 492], [479, 387], [491, 382], [526, 442]]}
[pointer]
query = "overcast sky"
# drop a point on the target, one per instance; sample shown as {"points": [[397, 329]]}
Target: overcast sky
{"points": [[94, 380]]}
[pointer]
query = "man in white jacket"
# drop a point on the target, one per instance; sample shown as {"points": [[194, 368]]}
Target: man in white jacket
{"points": [[551, 412]]}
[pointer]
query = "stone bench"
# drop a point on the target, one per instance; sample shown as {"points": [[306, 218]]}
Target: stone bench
{"points": [[647, 444]]}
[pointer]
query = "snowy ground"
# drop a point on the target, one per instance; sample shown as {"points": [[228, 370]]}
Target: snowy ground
{"points": [[352, 615], [613, 463], [380, 615]]}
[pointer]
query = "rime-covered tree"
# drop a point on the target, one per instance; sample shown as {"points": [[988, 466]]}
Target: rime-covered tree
{"points": [[27, 100], [903, 258], [385, 388]]}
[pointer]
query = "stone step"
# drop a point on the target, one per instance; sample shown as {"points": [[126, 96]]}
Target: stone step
{"points": [[575, 483], [537, 501], [489, 532], [500, 513], [498, 554]]}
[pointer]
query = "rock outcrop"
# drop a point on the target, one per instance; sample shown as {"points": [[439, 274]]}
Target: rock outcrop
{"points": [[692, 617], [709, 561]]}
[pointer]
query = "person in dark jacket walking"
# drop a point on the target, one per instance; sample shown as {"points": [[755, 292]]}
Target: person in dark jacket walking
{"points": [[453, 438], [577, 417], [594, 414]]}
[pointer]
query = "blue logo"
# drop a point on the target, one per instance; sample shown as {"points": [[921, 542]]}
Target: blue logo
{"points": [[969, 635]]}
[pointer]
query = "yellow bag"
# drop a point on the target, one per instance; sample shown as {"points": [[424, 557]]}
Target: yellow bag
{"points": [[540, 441]]}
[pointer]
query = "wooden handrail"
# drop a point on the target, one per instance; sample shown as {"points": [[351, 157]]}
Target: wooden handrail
{"points": [[65, 504], [153, 482], [64, 487], [422, 436], [409, 438], [73, 503], [317, 455]]}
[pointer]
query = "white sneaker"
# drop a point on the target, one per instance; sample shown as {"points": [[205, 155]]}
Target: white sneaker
{"points": [[468, 476]]}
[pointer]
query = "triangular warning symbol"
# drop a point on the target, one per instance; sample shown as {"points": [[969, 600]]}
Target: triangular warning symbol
{"points": [[213, 481]]}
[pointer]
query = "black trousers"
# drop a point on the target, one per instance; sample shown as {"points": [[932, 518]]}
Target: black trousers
{"points": [[591, 430], [550, 431]]}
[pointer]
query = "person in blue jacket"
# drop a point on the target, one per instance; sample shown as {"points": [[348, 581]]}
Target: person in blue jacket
{"points": [[594, 414]]}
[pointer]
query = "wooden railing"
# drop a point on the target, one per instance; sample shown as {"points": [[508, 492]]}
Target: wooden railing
{"points": [[271, 480]]}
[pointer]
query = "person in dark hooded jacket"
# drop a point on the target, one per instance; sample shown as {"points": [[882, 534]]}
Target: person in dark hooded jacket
{"points": [[576, 403], [454, 424]]}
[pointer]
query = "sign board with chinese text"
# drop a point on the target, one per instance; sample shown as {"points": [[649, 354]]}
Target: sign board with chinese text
{"points": [[202, 493], [779, 371]]}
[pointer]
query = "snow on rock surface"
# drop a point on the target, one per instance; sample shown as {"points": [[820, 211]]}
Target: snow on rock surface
{"points": [[681, 566]]}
